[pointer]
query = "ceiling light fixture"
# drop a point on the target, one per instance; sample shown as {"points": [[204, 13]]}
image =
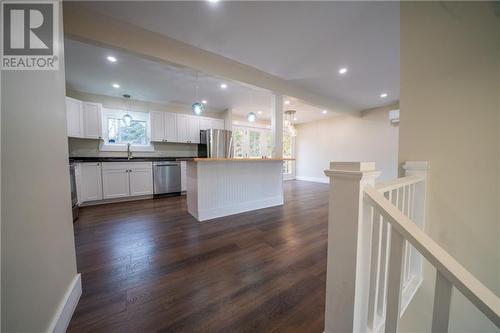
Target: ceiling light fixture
{"points": [[287, 102], [223, 86], [213, 1], [259, 112], [342, 71], [384, 95], [204, 101], [116, 85], [251, 117], [324, 112], [111, 59]]}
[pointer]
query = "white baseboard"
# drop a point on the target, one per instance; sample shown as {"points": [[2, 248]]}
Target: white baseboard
{"points": [[208, 214], [65, 310], [324, 180]]}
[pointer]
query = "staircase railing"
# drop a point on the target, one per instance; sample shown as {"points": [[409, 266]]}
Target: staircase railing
{"points": [[375, 248]]}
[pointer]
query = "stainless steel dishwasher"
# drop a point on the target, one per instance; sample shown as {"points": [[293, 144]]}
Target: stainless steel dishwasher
{"points": [[166, 178]]}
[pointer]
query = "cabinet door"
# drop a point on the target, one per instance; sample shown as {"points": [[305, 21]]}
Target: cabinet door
{"points": [[217, 124], [74, 117], [115, 183], [182, 128], [90, 181], [92, 120], [170, 127], [141, 181], [157, 126], [205, 123], [194, 130]]}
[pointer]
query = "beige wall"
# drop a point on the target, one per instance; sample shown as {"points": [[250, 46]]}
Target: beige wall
{"points": [[370, 137], [88, 147], [38, 251], [450, 116]]}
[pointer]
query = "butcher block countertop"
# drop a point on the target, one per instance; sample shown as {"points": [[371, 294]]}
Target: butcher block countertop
{"points": [[241, 159]]}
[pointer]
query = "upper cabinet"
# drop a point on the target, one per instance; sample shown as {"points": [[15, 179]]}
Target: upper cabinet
{"points": [[74, 117], [83, 119], [92, 118], [194, 129], [163, 126]]}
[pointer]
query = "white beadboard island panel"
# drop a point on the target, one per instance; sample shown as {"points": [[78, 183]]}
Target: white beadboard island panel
{"points": [[232, 186]]}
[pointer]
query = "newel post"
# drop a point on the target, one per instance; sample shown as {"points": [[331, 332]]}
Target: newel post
{"points": [[349, 246]]}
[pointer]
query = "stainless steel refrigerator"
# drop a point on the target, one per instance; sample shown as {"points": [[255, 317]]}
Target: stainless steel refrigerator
{"points": [[216, 143]]}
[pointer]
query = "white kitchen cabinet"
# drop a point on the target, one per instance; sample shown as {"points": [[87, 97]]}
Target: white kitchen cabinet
{"points": [[163, 126], [125, 179], [170, 127], [92, 120], [157, 120], [74, 117], [205, 123], [90, 182], [182, 128], [194, 129], [141, 181], [115, 183], [217, 123]]}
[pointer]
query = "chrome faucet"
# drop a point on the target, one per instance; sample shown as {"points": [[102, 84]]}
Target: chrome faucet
{"points": [[129, 153]]}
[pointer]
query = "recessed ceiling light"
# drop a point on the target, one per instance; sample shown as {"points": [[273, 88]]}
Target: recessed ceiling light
{"points": [[259, 112], [384, 95], [295, 118], [324, 112], [213, 1], [223, 86], [204, 101], [343, 70], [116, 85], [287, 102], [111, 59]]}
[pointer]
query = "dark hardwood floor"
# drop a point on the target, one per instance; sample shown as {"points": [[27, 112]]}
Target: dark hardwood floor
{"points": [[149, 266]]}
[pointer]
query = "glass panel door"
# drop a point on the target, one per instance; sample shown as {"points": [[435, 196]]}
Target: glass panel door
{"points": [[254, 143], [239, 142]]}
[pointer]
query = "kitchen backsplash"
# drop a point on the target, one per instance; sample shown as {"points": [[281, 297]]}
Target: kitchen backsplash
{"points": [[90, 148]]}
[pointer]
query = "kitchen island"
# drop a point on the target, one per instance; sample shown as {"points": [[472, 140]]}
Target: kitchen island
{"points": [[219, 187]]}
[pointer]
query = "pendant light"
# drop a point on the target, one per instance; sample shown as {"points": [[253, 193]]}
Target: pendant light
{"points": [[197, 107], [127, 118], [251, 116]]}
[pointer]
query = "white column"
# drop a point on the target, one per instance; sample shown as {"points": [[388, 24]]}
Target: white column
{"points": [[277, 125], [349, 246]]}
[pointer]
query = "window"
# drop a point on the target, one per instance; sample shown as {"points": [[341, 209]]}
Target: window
{"points": [[123, 127], [252, 142]]}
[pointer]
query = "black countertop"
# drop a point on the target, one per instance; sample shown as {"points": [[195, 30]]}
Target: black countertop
{"points": [[124, 159]]}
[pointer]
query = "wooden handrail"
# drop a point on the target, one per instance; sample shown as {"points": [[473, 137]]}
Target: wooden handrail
{"points": [[397, 183], [483, 298]]}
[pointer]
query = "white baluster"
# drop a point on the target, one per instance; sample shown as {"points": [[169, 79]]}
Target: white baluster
{"points": [[394, 281], [375, 269], [442, 300]]}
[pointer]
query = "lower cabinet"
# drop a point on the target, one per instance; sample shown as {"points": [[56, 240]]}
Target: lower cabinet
{"points": [[120, 180], [89, 182]]}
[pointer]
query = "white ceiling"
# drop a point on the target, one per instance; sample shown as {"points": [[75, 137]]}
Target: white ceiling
{"points": [[87, 70], [303, 42]]}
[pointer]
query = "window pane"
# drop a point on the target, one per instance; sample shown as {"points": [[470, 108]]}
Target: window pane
{"points": [[238, 142], [119, 132], [287, 145], [254, 144]]}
